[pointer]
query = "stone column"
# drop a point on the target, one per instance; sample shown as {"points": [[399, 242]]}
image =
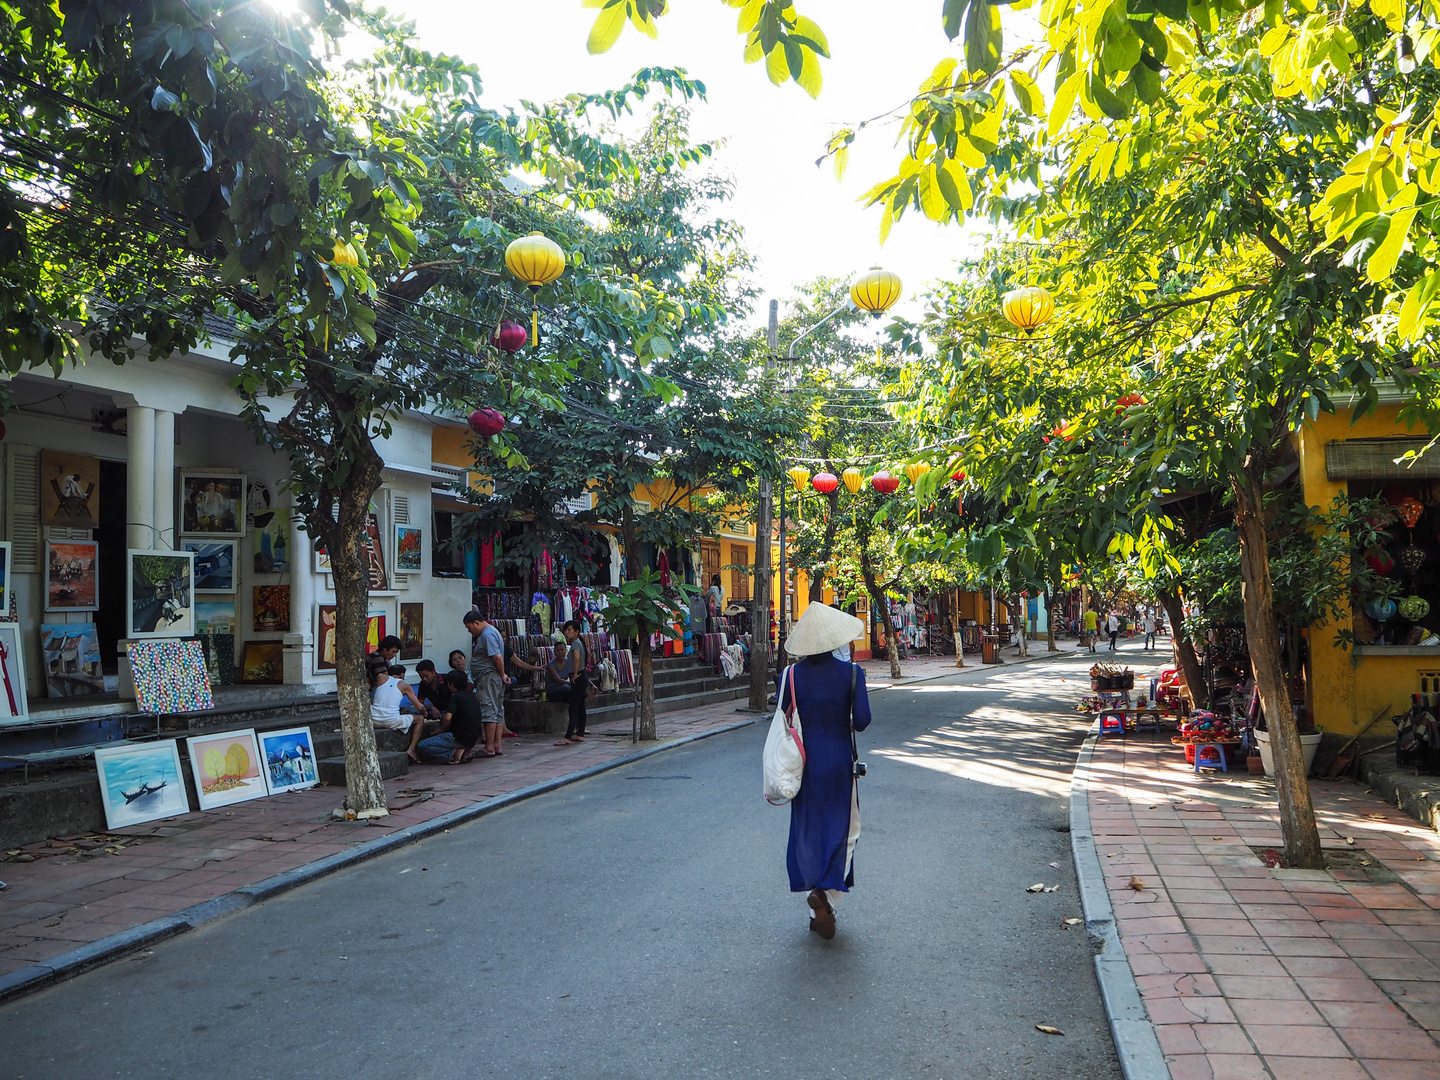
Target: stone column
{"points": [[140, 477], [300, 642], [165, 480]]}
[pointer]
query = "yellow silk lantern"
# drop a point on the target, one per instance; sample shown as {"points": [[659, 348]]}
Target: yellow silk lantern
{"points": [[876, 291], [853, 478], [536, 260], [915, 470], [799, 477], [345, 254], [1028, 308]]}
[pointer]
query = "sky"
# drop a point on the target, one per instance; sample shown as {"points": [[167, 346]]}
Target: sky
{"points": [[799, 222]]}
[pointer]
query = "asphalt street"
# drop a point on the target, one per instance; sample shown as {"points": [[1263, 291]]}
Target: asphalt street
{"points": [[639, 925]]}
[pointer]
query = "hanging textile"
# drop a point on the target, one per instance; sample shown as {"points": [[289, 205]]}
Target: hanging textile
{"points": [[540, 608], [663, 565], [617, 562], [487, 564]]}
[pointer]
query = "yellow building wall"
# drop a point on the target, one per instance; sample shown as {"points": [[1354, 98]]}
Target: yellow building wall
{"points": [[1342, 696]]}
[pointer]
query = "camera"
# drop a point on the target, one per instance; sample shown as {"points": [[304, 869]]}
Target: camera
{"points": [[859, 768]]}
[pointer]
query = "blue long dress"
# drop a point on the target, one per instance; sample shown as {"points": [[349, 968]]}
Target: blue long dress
{"points": [[818, 856]]}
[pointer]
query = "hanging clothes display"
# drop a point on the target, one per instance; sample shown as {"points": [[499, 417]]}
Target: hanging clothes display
{"points": [[487, 564], [540, 608], [617, 562]]}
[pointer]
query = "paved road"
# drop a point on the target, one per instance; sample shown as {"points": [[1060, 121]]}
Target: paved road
{"points": [[639, 926]]}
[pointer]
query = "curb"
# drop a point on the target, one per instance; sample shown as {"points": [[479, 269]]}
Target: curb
{"points": [[95, 954], [1014, 661], [1135, 1043]]}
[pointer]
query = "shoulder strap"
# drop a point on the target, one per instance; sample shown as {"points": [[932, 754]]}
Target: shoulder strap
{"points": [[854, 750]]}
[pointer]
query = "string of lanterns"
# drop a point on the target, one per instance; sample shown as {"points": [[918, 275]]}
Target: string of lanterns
{"points": [[883, 481]]}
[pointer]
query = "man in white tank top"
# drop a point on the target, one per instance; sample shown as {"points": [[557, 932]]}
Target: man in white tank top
{"points": [[385, 704]]}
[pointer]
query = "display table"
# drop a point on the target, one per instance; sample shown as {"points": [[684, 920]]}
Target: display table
{"points": [[1123, 718]]}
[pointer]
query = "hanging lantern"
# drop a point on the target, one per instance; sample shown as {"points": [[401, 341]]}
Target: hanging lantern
{"points": [[1410, 510], [958, 477], [509, 338], [1411, 558], [825, 482], [536, 260], [799, 477], [1381, 608], [345, 254], [1379, 560], [1125, 401], [853, 478], [915, 470], [884, 483], [1414, 608], [876, 291], [486, 422], [1029, 308]]}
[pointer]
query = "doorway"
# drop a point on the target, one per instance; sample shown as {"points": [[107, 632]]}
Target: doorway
{"points": [[110, 619]]}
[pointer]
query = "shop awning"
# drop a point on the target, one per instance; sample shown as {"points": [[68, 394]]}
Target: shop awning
{"points": [[1376, 459]]}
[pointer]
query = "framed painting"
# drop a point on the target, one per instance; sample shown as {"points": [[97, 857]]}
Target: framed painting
{"points": [[270, 609], [212, 504], [72, 575], [215, 618], [322, 558], [214, 564], [5, 581], [70, 657], [160, 592], [141, 783], [272, 541], [374, 630], [289, 759], [14, 703], [227, 767], [257, 502], [263, 662], [407, 549], [375, 556], [324, 638], [69, 490], [412, 631], [170, 676]]}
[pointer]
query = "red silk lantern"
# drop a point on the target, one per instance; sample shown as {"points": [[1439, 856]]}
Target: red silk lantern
{"points": [[1379, 560], [1127, 400], [511, 337], [486, 422], [1410, 510], [958, 477], [884, 483], [825, 482]]}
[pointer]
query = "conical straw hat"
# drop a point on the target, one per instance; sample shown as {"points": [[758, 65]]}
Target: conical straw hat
{"points": [[822, 629]]}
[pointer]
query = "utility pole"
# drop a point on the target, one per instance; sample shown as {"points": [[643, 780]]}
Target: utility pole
{"points": [[760, 618]]}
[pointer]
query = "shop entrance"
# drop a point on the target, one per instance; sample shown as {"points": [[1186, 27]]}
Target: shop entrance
{"points": [[110, 619]]}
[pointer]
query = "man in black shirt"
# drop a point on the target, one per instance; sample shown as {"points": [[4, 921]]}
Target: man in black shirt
{"points": [[460, 728], [433, 690]]}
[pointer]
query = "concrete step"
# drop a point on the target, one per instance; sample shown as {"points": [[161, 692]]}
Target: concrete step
{"points": [[329, 743], [393, 763], [733, 692]]}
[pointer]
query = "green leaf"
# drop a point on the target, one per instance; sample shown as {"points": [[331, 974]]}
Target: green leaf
{"points": [[1381, 263], [954, 186], [951, 15], [1027, 95], [608, 25], [983, 39], [1417, 302]]}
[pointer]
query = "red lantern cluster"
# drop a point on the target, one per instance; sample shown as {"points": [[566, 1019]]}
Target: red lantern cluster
{"points": [[1127, 400], [486, 422], [511, 337], [825, 482], [884, 483]]}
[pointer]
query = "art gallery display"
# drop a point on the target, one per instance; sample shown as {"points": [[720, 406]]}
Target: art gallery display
{"points": [[212, 504], [270, 609], [70, 658], [140, 783], [289, 759], [214, 564], [214, 617], [170, 676], [375, 556], [69, 490], [72, 575], [5, 598], [272, 541], [263, 662], [160, 590], [408, 539], [227, 767], [14, 702], [412, 631]]}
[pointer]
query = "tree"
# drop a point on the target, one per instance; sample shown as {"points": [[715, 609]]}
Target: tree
{"points": [[178, 160]]}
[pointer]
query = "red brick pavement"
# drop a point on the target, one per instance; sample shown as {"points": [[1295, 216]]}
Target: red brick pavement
{"points": [[59, 902]]}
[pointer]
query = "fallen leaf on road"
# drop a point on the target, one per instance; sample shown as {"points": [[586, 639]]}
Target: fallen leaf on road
{"points": [[1051, 888], [563, 996], [1350, 840], [1048, 1030], [1055, 864], [1137, 884], [1217, 838], [1072, 922], [1039, 886], [1112, 854], [1380, 816]]}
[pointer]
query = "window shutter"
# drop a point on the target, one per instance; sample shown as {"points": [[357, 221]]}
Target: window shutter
{"points": [[400, 507], [22, 510]]}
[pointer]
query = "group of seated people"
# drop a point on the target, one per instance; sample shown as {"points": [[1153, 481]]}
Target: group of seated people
{"points": [[450, 698]]}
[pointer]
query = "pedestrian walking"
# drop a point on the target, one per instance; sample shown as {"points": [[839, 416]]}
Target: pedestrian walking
{"points": [[487, 672], [1147, 623], [829, 692], [1112, 627], [1091, 625]]}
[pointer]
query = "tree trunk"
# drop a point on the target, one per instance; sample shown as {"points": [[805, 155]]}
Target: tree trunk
{"points": [[760, 618], [646, 729], [1185, 649], [1022, 626], [1050, 645], [344, 538], [878, 603], [1297, 815]]}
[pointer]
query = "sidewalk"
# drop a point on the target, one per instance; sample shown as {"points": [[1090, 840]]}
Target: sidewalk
{"points": [[877, 668], [80, 890], [1253, 973]]}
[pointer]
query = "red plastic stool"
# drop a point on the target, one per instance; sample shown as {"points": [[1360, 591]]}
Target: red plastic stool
{"points": [[1210, 756], [1112, 723]]}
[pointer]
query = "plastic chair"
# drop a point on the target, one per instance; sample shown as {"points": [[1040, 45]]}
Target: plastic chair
{"points": [[1112, 723], [1210, 756]]}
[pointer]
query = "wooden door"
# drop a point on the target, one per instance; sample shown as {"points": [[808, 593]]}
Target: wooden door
{"points": [[740, 575]]}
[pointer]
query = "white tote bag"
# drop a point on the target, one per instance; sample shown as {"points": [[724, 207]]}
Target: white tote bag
{"points": [[784, 759]]}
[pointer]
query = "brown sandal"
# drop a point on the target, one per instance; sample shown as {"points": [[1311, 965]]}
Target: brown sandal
{"points": [[824, 921]]}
